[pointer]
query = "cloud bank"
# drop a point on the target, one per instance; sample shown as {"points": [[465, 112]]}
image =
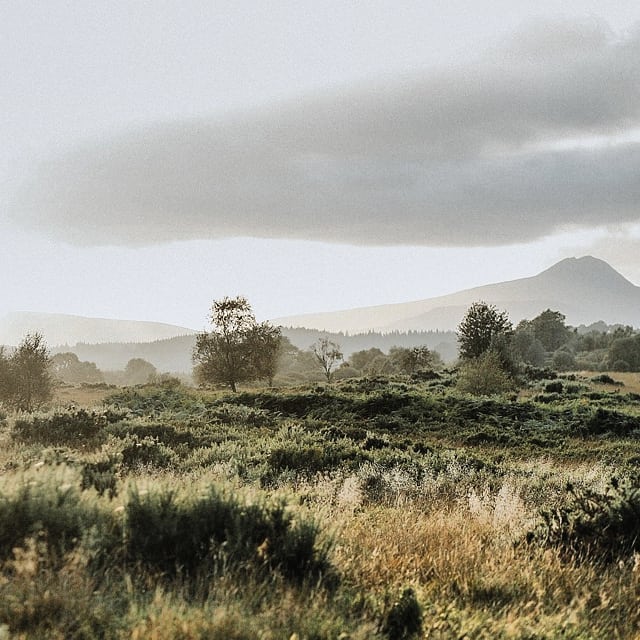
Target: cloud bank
{"points": [[466, 156]]}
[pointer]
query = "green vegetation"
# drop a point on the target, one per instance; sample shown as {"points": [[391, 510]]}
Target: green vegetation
{"points": [[238, 349], [387, 507], [25, 382], [385, 498]]}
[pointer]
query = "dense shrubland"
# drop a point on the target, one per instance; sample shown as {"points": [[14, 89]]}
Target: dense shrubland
{"points": [[383, 507]]}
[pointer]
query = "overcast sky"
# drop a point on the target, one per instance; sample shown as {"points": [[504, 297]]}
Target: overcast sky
{"points": [[311, 155]]}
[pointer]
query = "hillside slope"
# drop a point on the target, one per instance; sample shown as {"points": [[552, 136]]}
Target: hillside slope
{"points": [[584, 289], [63, 329]]}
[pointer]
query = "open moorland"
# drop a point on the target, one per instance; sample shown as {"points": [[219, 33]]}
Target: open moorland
{"points": [[385, 507]]}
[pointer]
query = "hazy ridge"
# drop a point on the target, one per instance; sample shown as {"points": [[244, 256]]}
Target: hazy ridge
{"points": [[585, 289]]}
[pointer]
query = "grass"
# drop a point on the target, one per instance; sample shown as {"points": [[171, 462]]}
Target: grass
{"points": [[377, 508]]}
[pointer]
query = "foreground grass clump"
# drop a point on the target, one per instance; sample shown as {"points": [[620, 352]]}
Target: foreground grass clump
{"points": [[164, 531], [190, 535]]}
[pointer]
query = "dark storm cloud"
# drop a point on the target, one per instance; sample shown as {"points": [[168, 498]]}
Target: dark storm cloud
{"points": [[465, 156]]}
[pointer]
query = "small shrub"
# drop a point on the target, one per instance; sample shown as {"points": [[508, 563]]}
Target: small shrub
{"points": [[50, 510], [187, 536], [101, 475], [607, 421], [483, 376], [553, 387], [600, 526], [227, 413], [404, 619], [603, 378], [147, 451], [79, 428], [621, 365]]}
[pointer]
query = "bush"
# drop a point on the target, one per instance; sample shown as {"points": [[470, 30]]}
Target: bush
{"points": [[404, 619], [164, 533], [101, 475], [78, 428], [621, 365], [595, 526], [187, 536], [50, 510], [603, 378], [553, 387], [563, 360], [483, 376], [146, 452]]}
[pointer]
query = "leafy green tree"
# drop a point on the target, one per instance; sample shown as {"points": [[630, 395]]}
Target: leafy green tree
{"points": [[563, 360], [265, 345], [238, 349], [625, 350], [479, 328], [29, 381], [68, 368], [362, 359], [549, 327], [139, 371], [526, 347], [328, 355], [5, 377], [411, 360]]}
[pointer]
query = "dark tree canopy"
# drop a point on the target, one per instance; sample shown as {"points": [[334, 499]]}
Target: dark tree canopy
{"points": [[481, 325], [550, 329], [237, 349]]}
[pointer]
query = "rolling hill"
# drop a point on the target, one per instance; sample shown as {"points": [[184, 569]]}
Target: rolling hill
{"points": [[61, 329], [585, 289]]}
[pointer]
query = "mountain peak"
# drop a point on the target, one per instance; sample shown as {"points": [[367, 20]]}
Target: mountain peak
{"points": [[586, 269], [584, 289]]}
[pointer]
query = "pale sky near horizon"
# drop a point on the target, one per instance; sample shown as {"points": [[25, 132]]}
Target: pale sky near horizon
{"points": [[311, 155]]}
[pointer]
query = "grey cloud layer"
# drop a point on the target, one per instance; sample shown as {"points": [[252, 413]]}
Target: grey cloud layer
{"points": [[461, 157]]}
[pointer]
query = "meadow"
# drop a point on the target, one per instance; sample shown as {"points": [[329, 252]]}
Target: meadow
{"points": [[385, 507]]}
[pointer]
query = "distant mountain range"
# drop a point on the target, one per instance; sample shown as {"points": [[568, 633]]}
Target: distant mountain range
{"points": [[585, 289], [61, 329]]}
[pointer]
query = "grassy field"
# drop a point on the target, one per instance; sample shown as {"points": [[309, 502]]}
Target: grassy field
{"points": [[375, 508]]}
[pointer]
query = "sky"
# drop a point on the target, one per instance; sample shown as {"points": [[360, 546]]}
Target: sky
{"points": [[310, 155]]}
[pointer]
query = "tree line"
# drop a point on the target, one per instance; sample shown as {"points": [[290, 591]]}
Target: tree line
{"points": [[239, 349]]}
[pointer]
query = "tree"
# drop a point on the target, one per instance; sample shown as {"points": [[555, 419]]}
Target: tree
{"points": [[550, 329], [626, 350], [68, 368], [414, 359], [327, 354], [265, 343], [563, 360], [526, 347], [29, 381], [138, 371], [238, 349], [5, 377], [362, 359], [480, 326]]}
